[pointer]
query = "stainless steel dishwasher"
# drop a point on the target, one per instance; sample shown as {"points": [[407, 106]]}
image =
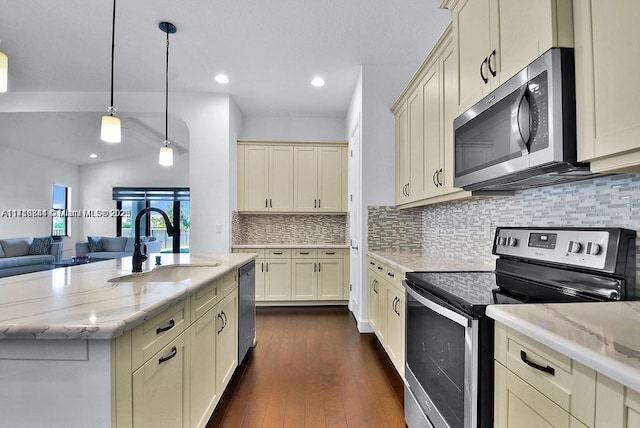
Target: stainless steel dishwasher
{"points": [[246, 309]]}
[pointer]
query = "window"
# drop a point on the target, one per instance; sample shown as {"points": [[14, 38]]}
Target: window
{"points": [[61, 196], [173, 201]]}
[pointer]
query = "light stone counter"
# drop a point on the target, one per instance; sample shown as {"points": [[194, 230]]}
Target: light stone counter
{"points": [[418, 261], [78, 302], [602, 336], [319, 246]]}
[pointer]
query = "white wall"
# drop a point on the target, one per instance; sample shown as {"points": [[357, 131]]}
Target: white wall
{"points": [[207, 118], [98, 181], [26, 182], [293, 128]]}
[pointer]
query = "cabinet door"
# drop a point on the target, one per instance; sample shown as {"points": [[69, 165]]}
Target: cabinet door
{"points": [[402, 154], [395, 328], [304, 279], [330, 197], [607, 90], [226, 340], [281, 178], [415, 114], [278, 279], [471, 24], [372, 301], [260, 279], [431, 105], [256, 180], [527, 30], [519, 404], [616, 406], [204, 395], [161, 388], [330, 279], [305, 185]]}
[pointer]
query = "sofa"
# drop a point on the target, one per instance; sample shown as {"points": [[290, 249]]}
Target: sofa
{"points": [[106, 247], [25, 255]]}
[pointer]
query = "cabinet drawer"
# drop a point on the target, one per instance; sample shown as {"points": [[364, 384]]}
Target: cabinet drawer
{"points": [[259, 251], [155, 333], [330, 254], [204, 300], [228, 283], [305, 253], [280, 253], [567, 383]]}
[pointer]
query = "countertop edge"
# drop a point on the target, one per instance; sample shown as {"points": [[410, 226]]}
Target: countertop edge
{"points": [[617, 371], [264, 246], [112, 330]]}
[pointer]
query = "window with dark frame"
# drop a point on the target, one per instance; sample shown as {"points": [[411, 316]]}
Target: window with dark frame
{"points": [[60, 204]]}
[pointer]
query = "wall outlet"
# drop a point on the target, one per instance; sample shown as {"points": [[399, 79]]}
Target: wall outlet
{"points": [[218, 228]]}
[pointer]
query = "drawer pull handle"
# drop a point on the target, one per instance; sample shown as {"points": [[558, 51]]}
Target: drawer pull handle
{"points": [[330, 253], [390, 274], [172, 324], [305, 253], [380, 268], [371, 263], [278, 253], [547, 369], [174, 352]]}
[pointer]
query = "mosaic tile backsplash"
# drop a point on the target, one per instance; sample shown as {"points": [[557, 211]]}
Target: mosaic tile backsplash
{"points": [[466, 228], [391, 229], [289, 229]]}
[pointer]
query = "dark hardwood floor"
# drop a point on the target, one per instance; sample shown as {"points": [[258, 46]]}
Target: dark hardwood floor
{"points": [[312, 368]]}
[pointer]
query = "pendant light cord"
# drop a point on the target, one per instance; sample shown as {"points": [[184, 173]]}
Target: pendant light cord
{"points": [[166, 92], [113, 49]]}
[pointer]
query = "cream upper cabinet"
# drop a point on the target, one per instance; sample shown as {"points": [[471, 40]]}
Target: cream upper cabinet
{"points": [[424, 130], [265, 177], [607, 56], [290, 177], [494, 39], [319, 174]]}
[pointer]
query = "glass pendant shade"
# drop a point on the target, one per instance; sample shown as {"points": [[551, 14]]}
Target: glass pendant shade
{"points": [[110, 131], [4, 72], [166, 155]]}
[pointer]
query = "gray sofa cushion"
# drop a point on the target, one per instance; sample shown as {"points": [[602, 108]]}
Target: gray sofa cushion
{"points": [[40, 245], [15, 247], [1, 252], [95, 243], [110, 244], [11, 262]]}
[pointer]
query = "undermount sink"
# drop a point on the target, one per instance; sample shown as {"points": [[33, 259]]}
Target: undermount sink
{"points": [[168, 273]]}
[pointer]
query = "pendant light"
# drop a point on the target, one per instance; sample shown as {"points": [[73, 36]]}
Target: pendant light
{"points": [[110, 131], [4, 72], [166, 152]]}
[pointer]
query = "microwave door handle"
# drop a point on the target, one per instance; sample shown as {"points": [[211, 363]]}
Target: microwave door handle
{"points": [[516, 111]]}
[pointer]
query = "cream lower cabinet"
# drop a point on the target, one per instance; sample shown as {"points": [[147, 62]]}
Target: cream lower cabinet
{"points": [[536, 386], [277, 280], [171, 370], [385, 305], [616, 405], [607, 58]]}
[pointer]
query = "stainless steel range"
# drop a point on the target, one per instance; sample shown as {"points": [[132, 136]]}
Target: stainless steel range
{"points": [[449, 341]]}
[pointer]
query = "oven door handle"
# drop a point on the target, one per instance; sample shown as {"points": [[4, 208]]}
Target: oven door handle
{"points": [[445, 312]]}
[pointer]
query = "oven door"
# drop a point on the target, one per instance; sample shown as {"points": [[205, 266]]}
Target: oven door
{"points": [[441, 363]]}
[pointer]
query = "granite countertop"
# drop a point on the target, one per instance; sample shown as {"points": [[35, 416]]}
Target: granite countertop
{"points": [[328, 245], [78, 302], [603, 336], [421, 262]]}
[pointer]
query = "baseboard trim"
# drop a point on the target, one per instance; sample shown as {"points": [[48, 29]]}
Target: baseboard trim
{"points": [[303, 303]]}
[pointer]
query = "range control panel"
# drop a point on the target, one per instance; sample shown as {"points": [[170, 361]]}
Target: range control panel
{"points": [[576, 247]]}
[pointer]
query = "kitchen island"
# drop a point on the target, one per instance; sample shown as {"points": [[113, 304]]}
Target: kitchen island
{"points": [[587, 357], [94, 346]]}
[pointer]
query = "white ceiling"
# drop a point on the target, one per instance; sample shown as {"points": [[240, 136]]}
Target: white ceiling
{"points": [[270, 49]]}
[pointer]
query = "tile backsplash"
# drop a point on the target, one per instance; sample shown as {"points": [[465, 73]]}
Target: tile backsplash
{"points": [[465, 229], [289, 229]]}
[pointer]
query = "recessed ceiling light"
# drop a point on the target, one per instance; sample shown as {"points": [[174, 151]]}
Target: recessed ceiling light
{"points": [[222, 78], [93, 155], [317, 82]]}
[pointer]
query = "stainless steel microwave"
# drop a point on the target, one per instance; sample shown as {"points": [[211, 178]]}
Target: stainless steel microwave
{"points": [[523, 134]]}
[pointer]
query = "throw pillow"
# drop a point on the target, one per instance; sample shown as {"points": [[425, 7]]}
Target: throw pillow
{"points": [[95, 243], [40, 246]]}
